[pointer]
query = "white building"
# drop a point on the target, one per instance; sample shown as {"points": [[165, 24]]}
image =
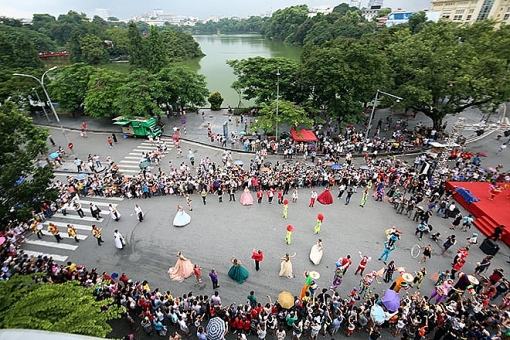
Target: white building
{"points": [[355, 3]]}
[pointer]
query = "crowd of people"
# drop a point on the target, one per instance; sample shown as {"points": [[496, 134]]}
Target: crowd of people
{"points": [[464, 307]]}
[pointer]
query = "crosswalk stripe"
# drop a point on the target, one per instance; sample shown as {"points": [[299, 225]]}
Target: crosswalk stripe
{"points": [[63, 226], [132, 162], [51, 244], [132, 157], [80, 237], [147, 147], [59, 258], [103, 204], [128, 166], [130, 171], [78, 218], [139, 153]]}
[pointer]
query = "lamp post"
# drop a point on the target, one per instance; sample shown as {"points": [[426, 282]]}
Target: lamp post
{"points": [[41, 82], [277, 98], [373, 108], [39, 100]]}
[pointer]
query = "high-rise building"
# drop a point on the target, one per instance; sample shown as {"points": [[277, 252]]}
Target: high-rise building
{"points": [[468, 12], [375, 4]]}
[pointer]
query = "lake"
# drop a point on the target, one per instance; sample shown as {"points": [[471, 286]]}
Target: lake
{"points": [[220, 48]]}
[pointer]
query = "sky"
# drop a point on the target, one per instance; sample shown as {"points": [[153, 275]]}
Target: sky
{"points": [[125, 9]]}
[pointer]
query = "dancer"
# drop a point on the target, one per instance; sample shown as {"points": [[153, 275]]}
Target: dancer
{"points": [[96, 232], [114, 214], [294, 195], [182, 269], [310, 283], [337, 279], [450, 241], [188, 202], [325, 197], [214, 278], [285, 208], [286, 266], [441, 290], [288, 236], [139, 213], [53, 229], [386, 252], [257, 256], [181, 219], [316, 252], [388, 271], [362, 263], [237, 272], [118, 239], [366, 282], [71, 232], [364, 197], [313, 198], [246, 197], [318, 225]]}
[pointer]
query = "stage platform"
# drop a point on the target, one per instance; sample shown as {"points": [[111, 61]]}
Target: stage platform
{"points": [[489, 214]]}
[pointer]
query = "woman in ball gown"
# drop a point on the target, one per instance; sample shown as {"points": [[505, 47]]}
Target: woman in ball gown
{"points": [[237, 272], [181, 219], [246, 197], [325, 197], [316, 252], [286, 266], [182, 269]]}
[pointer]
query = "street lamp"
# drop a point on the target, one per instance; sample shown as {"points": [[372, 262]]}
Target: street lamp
{"points": [[373, 108], [277, 97], [41, 82], [38, 101]]}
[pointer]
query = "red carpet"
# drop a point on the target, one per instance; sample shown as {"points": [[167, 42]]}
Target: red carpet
{"points": [[489, 214]]}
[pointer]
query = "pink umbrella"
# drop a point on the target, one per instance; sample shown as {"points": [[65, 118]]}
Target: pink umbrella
{"points": [[2, 240]]}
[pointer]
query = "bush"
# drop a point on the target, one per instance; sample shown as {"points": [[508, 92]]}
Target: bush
{"points": [[215, 99]]}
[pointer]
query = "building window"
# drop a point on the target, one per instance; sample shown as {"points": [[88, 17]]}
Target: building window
{"points": [[471, 11], [468, 18], [457, 17], [459, 11], [506, 17]]}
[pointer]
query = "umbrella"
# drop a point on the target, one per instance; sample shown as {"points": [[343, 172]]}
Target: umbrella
{"points": [[54, 155], [310, 164], [315, 275], [336, 167], [267, 164], [215, 329], [391, 300], [364, 167], [81, 176], [328, 163], [473, 279], [482, 170], [114, 275], [377, 314], [238, 162], [175, 137], [285, 201], [290, 228], [480, 153], [2, 240], [320, 217], [286, 300], [144, 164], [492, 169], [264, 169], [242, 133], [20, 180], [407, 277]]}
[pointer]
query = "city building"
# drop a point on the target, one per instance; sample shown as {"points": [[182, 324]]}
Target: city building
{"points": [[355, 3], [398, 17], [470, 11], [372, 11], [325, 9]]}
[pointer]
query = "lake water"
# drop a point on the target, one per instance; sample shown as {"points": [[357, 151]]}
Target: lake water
{"points": [[220, 48]]}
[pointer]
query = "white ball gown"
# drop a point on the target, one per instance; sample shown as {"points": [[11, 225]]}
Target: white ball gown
{"points": [[181, 219]]}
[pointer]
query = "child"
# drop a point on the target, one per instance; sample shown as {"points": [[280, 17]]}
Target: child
{"points": [[197, 271]]}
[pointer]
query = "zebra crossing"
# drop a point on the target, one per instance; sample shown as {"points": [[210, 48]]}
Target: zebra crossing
{"points": [[130, 164], [48, 246]]}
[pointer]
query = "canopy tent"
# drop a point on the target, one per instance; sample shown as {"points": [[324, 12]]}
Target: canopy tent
{"points": [[303, 135]]}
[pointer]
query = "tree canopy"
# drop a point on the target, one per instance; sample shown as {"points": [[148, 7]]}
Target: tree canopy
{"points": [[29, 303], [24, 173]]}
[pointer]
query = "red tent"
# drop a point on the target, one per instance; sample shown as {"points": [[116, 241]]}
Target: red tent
{"points": [[303, 135]]}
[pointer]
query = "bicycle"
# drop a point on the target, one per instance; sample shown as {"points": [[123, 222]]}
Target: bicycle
{"points": [[415, 251]]}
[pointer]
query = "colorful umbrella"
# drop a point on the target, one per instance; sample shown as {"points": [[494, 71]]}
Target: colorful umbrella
{"points": [[480, 153], [364, 167], [328, 163], [144, 164], [238, 162], [336, 167], [114, 275], [215, 329], [285, 201], [264, 169], [377, 314], [267, 164], [81, 176], [492, 169], [286, 300], [2, 240], [290, 228], [391, 300], [54, 155], [320, 217]]}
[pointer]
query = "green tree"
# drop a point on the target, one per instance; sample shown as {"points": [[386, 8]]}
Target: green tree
{"points": [[23, 184], [187, 49], [446, 68], [284, 23], [289, 114], [119, 38], [93, 50], [215, 99], [16, 49], [102, 93], [70, 86], [66, 307], [181, 86], [417, 21], [137, 52], [257, 78], [342, 75], [136, 95], [157, 58]]}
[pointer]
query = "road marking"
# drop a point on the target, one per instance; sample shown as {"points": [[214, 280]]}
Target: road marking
{"points": [[51, 244], [80, 237], [59, 258], [78, 218], [130, 171], [121, 166], [104, 204], [132, 162], [63, 226]]}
